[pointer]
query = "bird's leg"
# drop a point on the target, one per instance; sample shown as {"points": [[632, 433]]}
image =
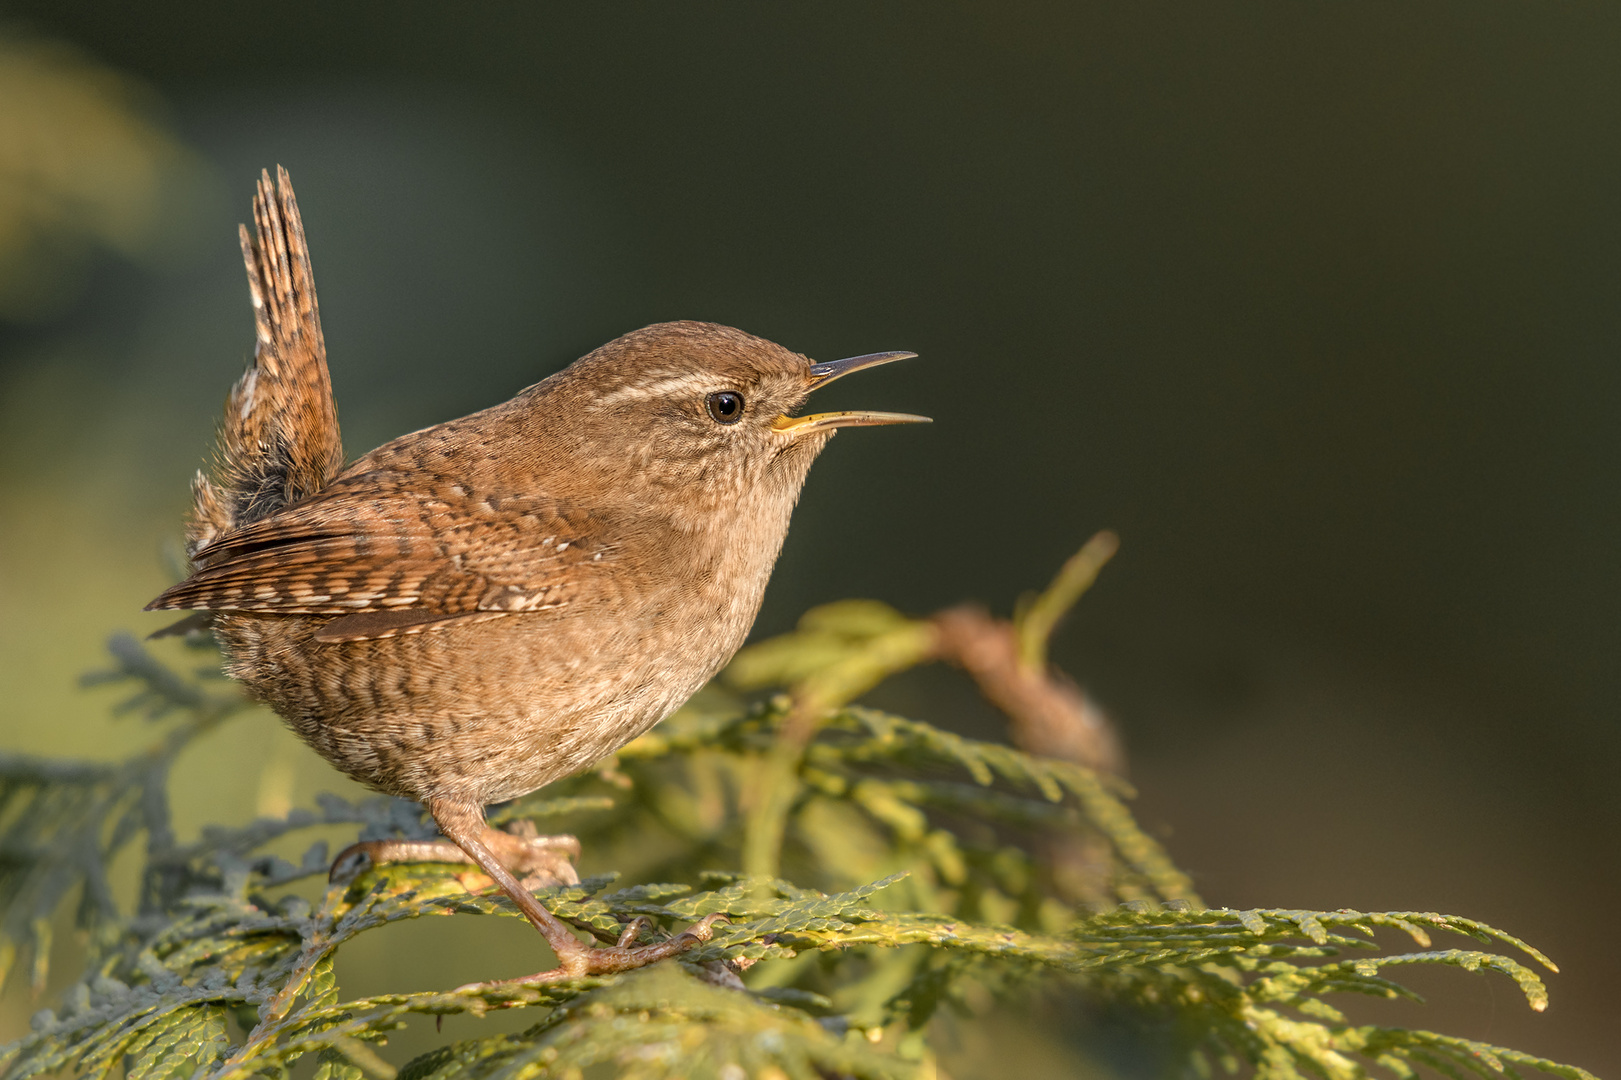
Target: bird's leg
{"points": [[463, 823], [541, 861]]}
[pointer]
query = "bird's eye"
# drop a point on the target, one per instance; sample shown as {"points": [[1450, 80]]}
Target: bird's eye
{"points": [[726, 406]]}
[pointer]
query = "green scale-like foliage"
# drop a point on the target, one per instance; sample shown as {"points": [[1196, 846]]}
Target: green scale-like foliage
{"points": [[918, 860]]}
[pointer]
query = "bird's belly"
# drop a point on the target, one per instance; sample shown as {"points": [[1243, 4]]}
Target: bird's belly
{"points": [[486, 711]]}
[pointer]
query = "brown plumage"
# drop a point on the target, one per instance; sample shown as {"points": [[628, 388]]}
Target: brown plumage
{"points": [[476, 609], [279, 442]]}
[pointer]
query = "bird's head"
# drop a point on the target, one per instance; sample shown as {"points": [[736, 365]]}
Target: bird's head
{"points": [[699, 416]]}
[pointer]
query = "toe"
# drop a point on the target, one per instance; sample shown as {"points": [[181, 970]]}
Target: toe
{"points": [[351, 862], [632, 931], [704, 928]]}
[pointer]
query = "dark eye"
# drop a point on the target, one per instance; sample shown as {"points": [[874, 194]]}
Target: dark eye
{"points": [[726, 407]]}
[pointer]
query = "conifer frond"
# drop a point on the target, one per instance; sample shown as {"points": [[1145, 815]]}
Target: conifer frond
{"points": [[663, 1023], [65, 822], [915, 863]]}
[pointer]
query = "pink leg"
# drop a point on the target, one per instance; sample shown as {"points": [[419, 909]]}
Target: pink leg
{"points": [[464, 824]]}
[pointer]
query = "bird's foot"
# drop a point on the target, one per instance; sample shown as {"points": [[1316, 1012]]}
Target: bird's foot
{"points": [[540, 862], [463, 823], [576, 959]]}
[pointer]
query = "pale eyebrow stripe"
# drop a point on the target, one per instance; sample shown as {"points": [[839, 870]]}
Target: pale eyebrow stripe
{"points": [[657, 388]]}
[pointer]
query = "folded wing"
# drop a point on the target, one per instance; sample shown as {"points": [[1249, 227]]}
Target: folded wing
{"points": [[409, 563]]}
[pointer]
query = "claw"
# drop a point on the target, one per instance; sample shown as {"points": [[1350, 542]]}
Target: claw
{"points": [[632, 931], [584, 960], [704, 928], [351, 862]]}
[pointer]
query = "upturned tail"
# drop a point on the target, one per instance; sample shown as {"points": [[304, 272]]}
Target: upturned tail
{"points": [[279, 441]]}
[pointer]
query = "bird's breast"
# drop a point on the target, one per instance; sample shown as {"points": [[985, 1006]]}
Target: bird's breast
{"points": [[494, 709]]}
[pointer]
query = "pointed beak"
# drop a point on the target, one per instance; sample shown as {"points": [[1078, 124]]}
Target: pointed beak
{"points": [[801, 425], [821, 375]]}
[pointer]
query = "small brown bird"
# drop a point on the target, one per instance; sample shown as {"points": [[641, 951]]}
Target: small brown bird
{"points": [[479, 608]]}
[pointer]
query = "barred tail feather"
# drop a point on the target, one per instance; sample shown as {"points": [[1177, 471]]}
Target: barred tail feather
{"points": [[279, 440]]}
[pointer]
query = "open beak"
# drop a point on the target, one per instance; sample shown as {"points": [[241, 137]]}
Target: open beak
{"points": [[821, 375]]}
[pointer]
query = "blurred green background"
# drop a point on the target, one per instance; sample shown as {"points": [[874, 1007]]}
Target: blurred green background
{"points": [[1317, 304]]}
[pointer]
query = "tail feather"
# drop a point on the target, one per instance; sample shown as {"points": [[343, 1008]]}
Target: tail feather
{"points": [[279, 440]]}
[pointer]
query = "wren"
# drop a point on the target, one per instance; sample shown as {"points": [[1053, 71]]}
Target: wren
{"points": [[476, 609]]}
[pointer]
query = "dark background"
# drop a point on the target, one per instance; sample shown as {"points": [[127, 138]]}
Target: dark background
{"points": [[1316, 304]]}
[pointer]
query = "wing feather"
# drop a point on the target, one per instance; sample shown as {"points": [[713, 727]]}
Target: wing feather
{"points": [[364, 545]]}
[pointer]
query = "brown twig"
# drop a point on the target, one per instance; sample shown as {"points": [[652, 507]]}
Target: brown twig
{"points": [[1047, 713]]}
